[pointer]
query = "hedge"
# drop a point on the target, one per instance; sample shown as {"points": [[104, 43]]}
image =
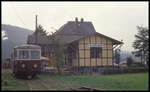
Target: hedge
{"points": [[137, 64], [123, 70]]}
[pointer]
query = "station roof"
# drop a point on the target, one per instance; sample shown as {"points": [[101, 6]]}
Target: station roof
{"points": [[70, 32], [73, 31]]}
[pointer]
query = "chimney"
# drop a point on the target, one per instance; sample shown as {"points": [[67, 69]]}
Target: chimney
{"points": [[82, 20]]}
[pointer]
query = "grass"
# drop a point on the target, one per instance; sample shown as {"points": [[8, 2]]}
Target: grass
{"points": [[135, 81], [13, 83]]}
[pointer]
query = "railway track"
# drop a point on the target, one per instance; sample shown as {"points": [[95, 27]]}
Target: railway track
{"points": [[37, 84], [40, 84]]}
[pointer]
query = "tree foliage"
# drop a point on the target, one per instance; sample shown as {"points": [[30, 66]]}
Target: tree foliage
{"points": [[58, 48], [129, 61], [117, 56], [41, 30], [141, 43]]}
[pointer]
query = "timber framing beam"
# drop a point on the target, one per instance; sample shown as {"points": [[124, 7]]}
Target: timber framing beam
{"points": [[107, 50], [102, 54], [115, 46], [84, 52], [78, 57], [96, 43], [90, 53]]}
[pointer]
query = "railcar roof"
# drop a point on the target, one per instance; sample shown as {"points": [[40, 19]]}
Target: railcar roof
{"points": [[28, 46]]}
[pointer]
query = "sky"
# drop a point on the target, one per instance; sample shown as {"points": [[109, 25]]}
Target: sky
{"points": [[117, 20]]}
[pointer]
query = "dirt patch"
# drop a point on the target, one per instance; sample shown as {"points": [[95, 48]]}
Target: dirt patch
{"points": [[37, 84], [59, 85]]}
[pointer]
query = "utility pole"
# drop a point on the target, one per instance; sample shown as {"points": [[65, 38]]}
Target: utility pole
{"points": [[35, 22], [35, 29]]}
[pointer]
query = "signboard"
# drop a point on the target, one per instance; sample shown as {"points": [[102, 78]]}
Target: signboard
{"points": [[95, 45]]}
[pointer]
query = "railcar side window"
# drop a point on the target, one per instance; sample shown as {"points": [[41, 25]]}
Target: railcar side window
{"points": [[23, 54], [35, 54]]}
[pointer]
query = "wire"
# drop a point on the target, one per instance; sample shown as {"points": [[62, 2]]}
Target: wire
{"points": [[18, 15]]}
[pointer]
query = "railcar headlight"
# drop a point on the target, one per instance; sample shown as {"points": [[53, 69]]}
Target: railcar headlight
{"points": [[35, 66], [23, 65]]}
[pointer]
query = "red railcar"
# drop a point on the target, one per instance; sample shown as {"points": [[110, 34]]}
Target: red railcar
{"points": [[25, 60]]}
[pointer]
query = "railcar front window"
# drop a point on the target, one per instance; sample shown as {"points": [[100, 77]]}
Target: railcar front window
{"points": [[23, 54], [35, 54]]}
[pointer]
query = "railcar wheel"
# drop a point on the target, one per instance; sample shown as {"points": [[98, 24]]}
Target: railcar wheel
{"points": [[29, 76], [33, 75]]}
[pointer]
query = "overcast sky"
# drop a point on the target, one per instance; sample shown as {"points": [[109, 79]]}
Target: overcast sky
{"points": [[117, 20]]}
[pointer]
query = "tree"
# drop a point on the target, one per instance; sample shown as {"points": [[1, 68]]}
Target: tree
{"points": [[141, 43], [117, 56], [58, 48], [41, 29], [129, 61]]}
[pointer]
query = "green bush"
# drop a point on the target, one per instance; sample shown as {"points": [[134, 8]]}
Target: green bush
{"points": [[129, 61], [137, 64], [123, 70]]}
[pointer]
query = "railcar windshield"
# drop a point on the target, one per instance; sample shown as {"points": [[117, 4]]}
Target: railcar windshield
{"points": [[23, 54], [29, 54], [35, 54]]}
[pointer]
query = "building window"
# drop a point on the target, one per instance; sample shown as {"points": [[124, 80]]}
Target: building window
{"points": [[95, 52]]}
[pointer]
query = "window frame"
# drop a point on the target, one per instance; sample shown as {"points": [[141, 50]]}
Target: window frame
{"points": [[95, 53], [31, 54], [21, 52], [18, 52]]}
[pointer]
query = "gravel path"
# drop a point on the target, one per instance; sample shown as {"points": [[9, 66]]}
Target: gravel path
{"points": [[47, 84]]}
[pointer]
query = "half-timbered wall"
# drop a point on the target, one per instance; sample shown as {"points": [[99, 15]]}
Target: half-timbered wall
{"points": [[84, 58]]}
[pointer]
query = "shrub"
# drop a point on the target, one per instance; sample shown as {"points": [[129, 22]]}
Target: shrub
{"points": [[137, 64], [129, 61]]}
